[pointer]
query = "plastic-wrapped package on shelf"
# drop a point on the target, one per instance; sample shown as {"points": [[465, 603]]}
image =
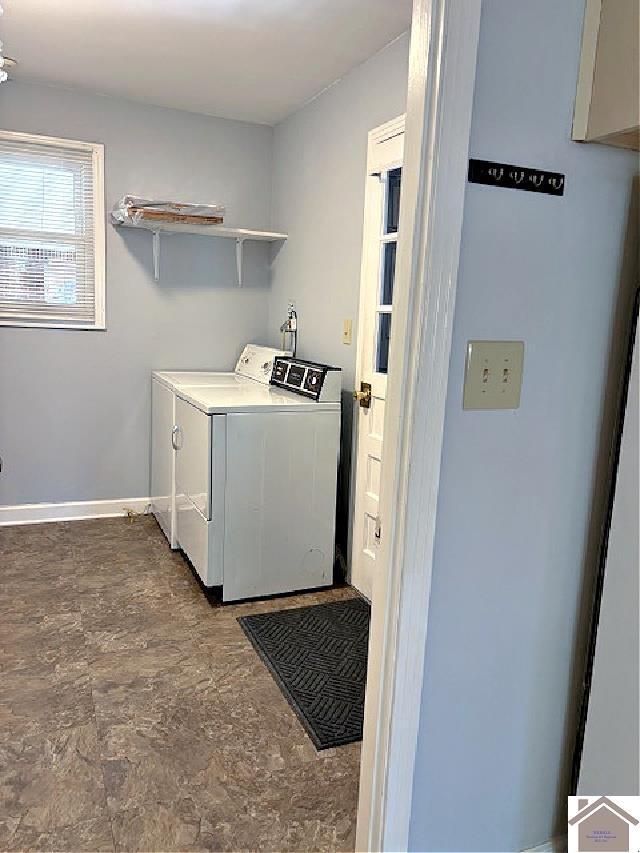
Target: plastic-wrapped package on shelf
{"points": [[133, 208]]}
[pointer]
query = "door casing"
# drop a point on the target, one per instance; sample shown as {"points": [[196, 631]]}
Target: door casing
{"points": [[442, 69]]}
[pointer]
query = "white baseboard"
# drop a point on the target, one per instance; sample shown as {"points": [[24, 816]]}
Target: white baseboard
{"points": [[71, 510]]}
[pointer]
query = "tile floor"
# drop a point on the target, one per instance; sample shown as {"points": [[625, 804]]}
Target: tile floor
{"points": [[134, 715]]}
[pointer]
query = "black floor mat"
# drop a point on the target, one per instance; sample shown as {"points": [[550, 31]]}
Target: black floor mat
{"points": [[318, 656]]}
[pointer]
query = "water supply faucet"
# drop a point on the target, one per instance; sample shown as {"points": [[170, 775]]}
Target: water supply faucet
{"points": [[290, 327]]}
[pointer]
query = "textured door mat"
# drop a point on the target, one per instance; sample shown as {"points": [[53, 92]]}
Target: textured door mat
{"points": [[318, 657]]}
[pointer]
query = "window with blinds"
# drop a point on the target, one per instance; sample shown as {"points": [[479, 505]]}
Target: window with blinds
{"points": [[51, 232]]}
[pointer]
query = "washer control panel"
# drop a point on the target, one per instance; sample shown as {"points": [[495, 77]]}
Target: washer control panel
{"points": [[256, 362], [319, 382]]}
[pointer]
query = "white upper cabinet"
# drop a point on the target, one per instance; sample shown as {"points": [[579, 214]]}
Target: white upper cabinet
{"points": [[608, 98]]}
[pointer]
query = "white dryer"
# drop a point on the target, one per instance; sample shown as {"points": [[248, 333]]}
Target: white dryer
{"points": [[255, 479]]}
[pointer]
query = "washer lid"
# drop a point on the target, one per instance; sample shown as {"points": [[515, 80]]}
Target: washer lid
{"points": [[249, 397], [174, 378]]}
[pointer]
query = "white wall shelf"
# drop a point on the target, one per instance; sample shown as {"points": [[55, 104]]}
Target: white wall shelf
{"points": [[240, 235]]}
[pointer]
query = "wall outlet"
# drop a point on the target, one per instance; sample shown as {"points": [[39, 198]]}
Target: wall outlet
{"points": [[493, 375], [347, 330]]}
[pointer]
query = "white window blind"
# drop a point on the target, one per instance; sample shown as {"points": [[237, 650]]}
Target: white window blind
{"points": [[51, 232]]}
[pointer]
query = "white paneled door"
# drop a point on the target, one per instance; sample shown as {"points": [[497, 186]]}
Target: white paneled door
{"points": [[380, 238]]}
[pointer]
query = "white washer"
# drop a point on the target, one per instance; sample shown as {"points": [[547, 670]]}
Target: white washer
{"points": [[255, 363], [255, 481]]}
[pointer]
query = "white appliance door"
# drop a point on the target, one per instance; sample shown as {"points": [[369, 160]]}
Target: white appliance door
{"points": [[200, 487], [280, 502], [193, 463]]}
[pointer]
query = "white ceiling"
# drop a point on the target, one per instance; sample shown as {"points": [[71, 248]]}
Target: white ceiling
{"points": [[256, 60]]}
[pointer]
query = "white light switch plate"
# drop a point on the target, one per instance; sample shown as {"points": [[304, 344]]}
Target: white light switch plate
{"points": [[347, 327], [493, 375]]}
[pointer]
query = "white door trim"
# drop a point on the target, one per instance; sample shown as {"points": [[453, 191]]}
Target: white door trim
{"points": [[385, 131], [590, 30], [442, 69]]}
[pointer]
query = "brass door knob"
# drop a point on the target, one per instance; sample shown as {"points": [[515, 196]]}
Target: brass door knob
{"points": [[363, 396]]}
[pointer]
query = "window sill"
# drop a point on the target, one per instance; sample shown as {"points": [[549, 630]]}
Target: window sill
{"points": [[25, 324]]}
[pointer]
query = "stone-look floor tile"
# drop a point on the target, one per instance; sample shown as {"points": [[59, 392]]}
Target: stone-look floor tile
{"points": [[91, 835], [156, 743], [46, 576], [45, 697], [28, 601], [275, 832], [54, 780], [135, 712], [119, 622], [8, 827], [52, 628], [107, 542], [42, 542], [55, 638], [176, 825]]}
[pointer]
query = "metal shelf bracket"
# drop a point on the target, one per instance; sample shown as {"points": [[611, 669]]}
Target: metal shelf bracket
{"points": [[239, 253], [156, 256], [240, 235]]}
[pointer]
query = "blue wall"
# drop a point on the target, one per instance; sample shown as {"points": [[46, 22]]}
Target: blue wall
{"points": [[319, 172], [517, 486], [75, 405]]}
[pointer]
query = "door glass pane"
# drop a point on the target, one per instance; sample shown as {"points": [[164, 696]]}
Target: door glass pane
{"points": [[388, 272], [382, 347], [393, 200]]}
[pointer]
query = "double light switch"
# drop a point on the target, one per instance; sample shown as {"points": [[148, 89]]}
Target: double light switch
{"points": [[493, 375]]}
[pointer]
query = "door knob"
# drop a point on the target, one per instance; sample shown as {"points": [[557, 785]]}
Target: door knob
{"points": [[363, 396]]}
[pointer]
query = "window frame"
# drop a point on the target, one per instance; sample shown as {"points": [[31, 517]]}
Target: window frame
{"points": [[384, 238], [99, 274]]}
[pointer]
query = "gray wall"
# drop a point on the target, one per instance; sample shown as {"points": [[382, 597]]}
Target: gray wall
{"points": [[320, 156], [74, 406], [516, 487]]}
